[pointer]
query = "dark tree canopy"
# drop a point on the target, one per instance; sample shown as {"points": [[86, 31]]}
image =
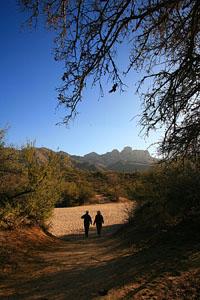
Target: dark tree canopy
{"points": [[164, 41]]}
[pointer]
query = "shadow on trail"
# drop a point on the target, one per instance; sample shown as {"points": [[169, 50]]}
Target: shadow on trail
{"points": [[90, 265], [106, 231]]}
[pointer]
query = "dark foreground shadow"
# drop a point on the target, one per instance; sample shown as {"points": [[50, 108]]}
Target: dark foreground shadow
{"points": [[161, 265], [106, 230]]}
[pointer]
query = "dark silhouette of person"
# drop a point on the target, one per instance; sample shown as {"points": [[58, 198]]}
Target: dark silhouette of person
{"points": [[87, 222], [98, 221]]}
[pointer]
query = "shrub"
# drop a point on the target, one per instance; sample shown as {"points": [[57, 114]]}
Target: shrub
{"points": [[74, 194], [167, 194], [85, 193], [34, 189], [70, 195]]}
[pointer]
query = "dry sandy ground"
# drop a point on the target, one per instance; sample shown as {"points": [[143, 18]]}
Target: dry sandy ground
{"points": [[130, 264], [67, 221]]}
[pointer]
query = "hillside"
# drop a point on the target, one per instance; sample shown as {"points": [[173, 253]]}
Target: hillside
{"points": [[128, 160]]}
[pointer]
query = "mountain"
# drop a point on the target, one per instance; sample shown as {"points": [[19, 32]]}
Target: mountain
{"points": [[128, 160], [42, 155]]}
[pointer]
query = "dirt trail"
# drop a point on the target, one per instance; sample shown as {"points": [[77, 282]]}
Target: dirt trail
{"points": [[76, 267], [151, 266], [73, 270], [67, 221]]}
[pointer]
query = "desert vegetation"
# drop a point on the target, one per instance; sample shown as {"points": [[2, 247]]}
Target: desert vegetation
{"points": [[155, 255], [166, 195], [163, 38], [30, 188]]}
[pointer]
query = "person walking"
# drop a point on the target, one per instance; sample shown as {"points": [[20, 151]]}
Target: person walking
{"points": [[87, 222], [98, 221]]}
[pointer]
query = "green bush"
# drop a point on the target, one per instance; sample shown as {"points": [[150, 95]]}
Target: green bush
{"points": [[28, 190], [70, 195], [85, 193], [167, 195], [74, 194]]}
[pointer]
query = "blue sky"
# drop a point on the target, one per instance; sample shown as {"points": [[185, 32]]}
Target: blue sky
{"points": [[28, 80]]}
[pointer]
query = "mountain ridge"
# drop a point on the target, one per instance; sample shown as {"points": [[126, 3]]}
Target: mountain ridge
{"points": [[128, 160]]}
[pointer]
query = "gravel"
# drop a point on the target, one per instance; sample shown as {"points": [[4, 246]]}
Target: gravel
{"points": [[67, 221]]}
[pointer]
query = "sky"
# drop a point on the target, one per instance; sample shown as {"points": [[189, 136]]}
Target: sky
{"points": [[29, 76]]}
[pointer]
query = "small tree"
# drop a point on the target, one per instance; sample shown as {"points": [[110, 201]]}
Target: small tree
{"points": [[44, 182], [34, 190], [114, 188], [70, 195], [85, 193], [167, 194]]}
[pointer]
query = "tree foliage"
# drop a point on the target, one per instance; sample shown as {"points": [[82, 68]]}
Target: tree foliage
{"points": [[167, 195], [75, 193], [28, 190], [163, 40]]}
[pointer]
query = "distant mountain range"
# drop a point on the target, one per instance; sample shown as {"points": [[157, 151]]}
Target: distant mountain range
{"points": [[128, 160]]}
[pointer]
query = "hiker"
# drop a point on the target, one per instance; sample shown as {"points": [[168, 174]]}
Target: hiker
{"points": [[87, 222], [98, 221]]}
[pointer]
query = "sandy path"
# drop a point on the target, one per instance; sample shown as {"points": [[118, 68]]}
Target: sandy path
{"points": [[74, 268], [152, 267], [73, 271], [67, 221]]}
